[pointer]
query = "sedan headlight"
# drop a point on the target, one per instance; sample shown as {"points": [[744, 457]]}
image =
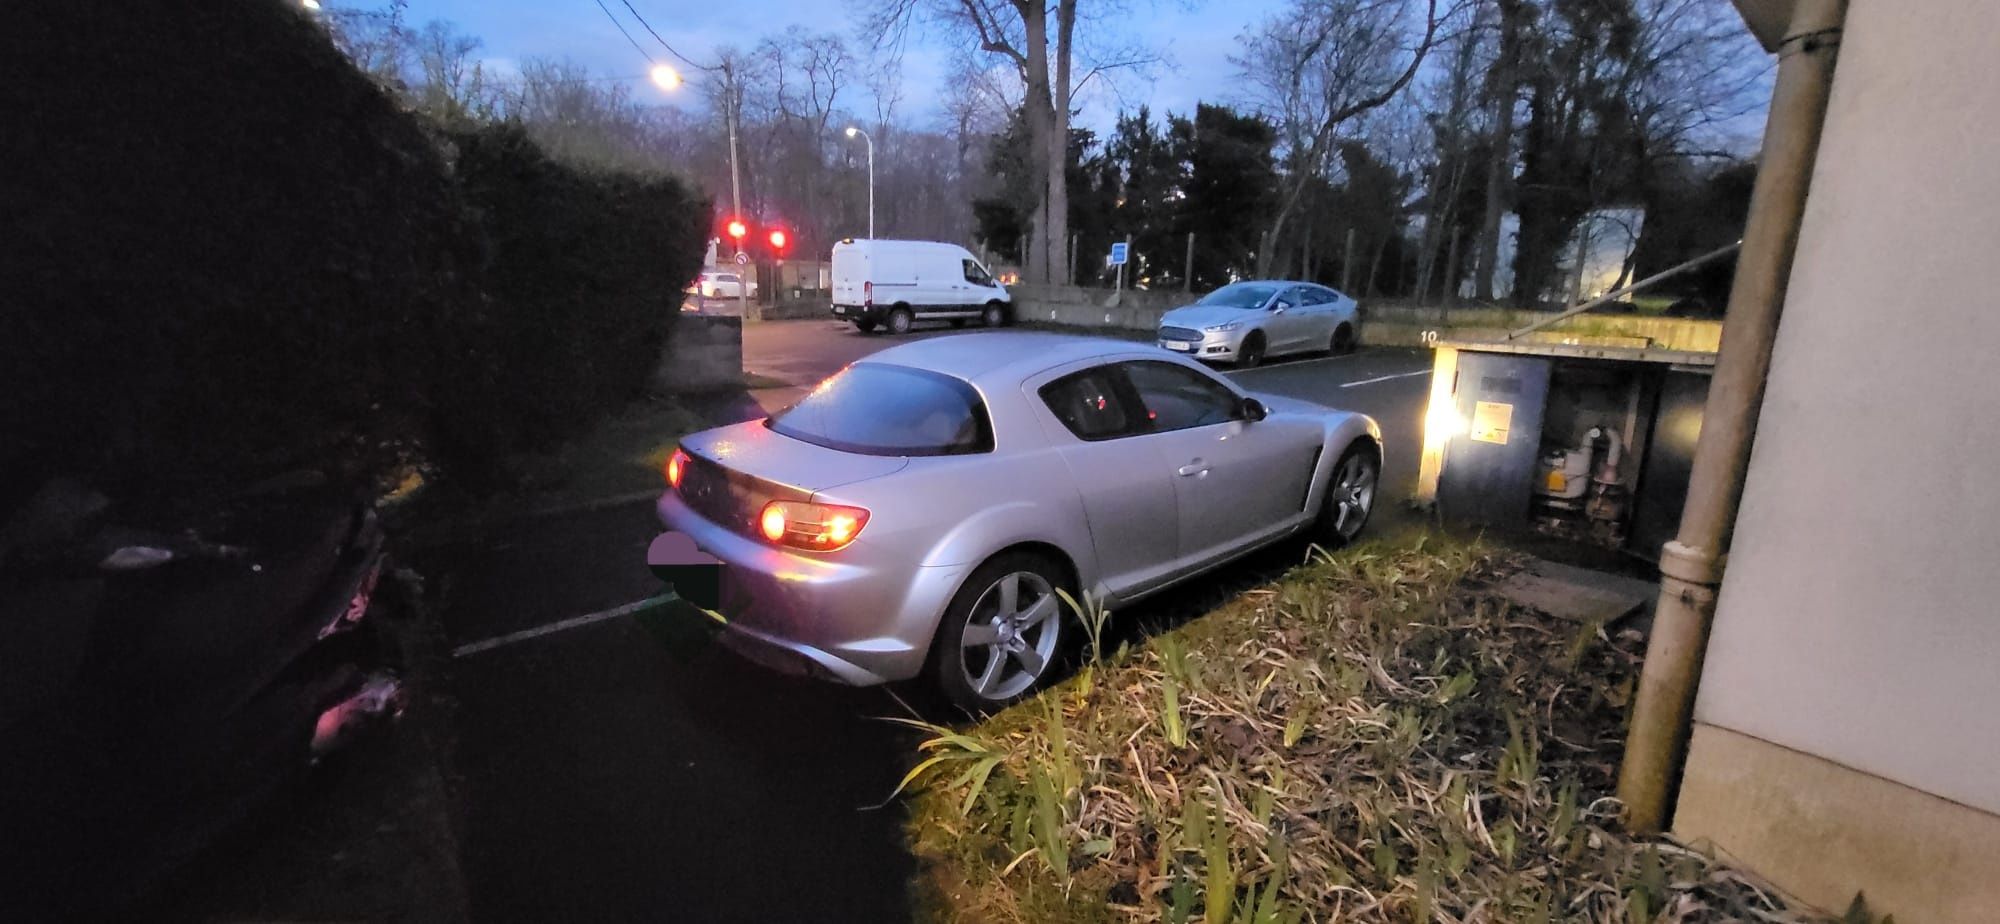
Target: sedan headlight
{"points": [[1222, 328]]}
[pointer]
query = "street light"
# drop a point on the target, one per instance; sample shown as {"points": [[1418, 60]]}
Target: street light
{"points": [[668, 79], [312, 6], [851, 132]]}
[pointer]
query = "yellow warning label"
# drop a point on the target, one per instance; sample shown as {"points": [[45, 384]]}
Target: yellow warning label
{"points": [[1490, 421]]}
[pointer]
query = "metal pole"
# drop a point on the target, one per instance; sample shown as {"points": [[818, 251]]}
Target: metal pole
{"points": [[731, 105], [1691, 565], [871, 184], [1616, 294], [1072, 263]]}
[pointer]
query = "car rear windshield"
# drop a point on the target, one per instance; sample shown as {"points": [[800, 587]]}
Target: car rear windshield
{"points": [[884, 410], [1240, 295]]}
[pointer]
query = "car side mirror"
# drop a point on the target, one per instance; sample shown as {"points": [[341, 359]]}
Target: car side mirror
{"points": [[1280, 306], [1252, 410]]}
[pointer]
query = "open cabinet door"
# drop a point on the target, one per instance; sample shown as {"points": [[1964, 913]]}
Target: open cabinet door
{"points": [[1489, 467]]}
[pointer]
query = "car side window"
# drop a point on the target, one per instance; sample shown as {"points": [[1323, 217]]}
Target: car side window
{"points": [[975, 275], [1092, 404], [1314, 295], [1179, 398]]}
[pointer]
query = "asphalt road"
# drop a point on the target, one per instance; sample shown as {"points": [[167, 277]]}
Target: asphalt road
{"points": [[618, 767]]}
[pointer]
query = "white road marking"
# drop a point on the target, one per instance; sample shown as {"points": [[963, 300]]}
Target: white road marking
{"points": [[636, 606], [1294, 364], [1385, 378]]}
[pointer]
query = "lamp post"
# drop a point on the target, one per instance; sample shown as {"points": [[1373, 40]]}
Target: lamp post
{"points": [[851, 132], [668, 79]]}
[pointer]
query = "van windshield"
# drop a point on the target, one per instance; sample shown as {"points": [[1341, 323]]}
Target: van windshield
{"points": [[879, 409]]}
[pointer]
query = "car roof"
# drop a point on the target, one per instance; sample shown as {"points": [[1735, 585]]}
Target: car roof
{"points": [[1000, 355]]}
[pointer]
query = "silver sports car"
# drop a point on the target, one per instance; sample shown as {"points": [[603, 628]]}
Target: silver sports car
{"points": [[918, 511]]}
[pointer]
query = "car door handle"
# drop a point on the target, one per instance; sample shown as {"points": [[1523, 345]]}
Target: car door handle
{"points": [[1194, 469]]}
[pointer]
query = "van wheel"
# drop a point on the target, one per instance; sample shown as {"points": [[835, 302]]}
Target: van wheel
{"points": [[994, 315], [900, 321], [866, 327]]}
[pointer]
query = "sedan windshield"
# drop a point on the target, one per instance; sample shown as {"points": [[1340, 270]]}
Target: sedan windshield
{"points": [[1240, 295], [883, 410]]}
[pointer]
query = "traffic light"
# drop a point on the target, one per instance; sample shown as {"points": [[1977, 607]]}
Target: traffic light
{"points": [[779, 240], [737, 229]]}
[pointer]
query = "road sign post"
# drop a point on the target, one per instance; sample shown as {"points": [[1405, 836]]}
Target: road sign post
{"points": [[1119, 252]]}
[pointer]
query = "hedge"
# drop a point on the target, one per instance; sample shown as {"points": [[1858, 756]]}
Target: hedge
{"points": [[230, 254]]}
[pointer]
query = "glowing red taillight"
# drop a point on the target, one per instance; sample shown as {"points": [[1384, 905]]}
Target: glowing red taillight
{"points": [[813, 527], [676, 464], [867, 295]]}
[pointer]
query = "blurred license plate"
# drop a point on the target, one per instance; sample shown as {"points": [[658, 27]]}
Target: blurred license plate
{"points": [[839, 309], [1178, 346]]}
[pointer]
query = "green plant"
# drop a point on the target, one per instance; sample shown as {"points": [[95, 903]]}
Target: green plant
{"points": [[1092, 615]]}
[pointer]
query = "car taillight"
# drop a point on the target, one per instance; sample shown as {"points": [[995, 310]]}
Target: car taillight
{"points": [[676, 464], [813, 527], [867, 295]]}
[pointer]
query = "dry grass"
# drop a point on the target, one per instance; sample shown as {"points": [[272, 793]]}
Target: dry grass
{"points": [[1376, 737]]}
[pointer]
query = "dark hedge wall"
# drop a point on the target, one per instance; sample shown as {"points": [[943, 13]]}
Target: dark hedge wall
{"points": [[228, 253]]}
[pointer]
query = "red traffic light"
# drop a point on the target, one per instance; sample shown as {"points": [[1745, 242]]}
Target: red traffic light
{"points": [[778, 239], [737, 229]]}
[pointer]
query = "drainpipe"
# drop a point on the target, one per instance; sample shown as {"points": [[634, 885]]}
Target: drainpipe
{"points": [[1691, 565]]}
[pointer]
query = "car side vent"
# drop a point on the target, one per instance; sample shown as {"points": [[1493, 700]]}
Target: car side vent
{"points": [[1312, 468]]}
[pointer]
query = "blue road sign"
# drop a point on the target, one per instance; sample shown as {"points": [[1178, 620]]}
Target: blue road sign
{"points": [[1118, 253]]}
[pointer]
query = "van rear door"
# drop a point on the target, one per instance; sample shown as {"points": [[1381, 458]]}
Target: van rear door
{"points": [[850, 271]]}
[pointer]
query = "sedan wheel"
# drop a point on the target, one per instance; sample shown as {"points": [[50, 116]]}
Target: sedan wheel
{"points": [[1350, 496], [1251, 354], [1001, 636]]}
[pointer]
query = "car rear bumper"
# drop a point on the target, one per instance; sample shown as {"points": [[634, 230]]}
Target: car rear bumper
{"points": [[846, 617]]}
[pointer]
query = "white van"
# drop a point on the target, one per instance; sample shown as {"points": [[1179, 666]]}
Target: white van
{"points": [[893, 284]]}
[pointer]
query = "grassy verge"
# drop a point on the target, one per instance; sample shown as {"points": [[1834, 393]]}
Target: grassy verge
{"points": [[1376, 737]]}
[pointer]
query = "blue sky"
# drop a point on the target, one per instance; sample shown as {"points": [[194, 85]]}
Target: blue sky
{"points": [[1195, 38]]}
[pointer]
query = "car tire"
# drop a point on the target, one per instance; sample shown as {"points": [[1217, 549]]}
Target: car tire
{"points": [[866, 327], [1351, 489], [1343, 339], [900, 320], [982, 663], [1251, 354], [994, 315]]}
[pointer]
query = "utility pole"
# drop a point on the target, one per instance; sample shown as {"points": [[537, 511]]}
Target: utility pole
{"points": [[732, 105]]}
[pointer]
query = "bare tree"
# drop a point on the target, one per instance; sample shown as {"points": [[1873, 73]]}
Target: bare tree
{"points": [[1320, 64], [1039, 41], [379, 42], [452, 84]]}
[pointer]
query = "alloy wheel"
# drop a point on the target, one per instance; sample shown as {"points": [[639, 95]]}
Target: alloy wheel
{"points": [[1352, 494], [1010, 636]]}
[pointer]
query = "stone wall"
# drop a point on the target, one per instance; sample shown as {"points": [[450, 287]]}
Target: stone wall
{"points": [[704, 353], [1381, 325]]}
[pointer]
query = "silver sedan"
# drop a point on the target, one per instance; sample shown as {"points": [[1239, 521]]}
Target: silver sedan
{"points": [[1246, 322], [919, 511]]}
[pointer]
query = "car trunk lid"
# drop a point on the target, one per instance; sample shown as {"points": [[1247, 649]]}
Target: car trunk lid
{"points": [[732, 472]]}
